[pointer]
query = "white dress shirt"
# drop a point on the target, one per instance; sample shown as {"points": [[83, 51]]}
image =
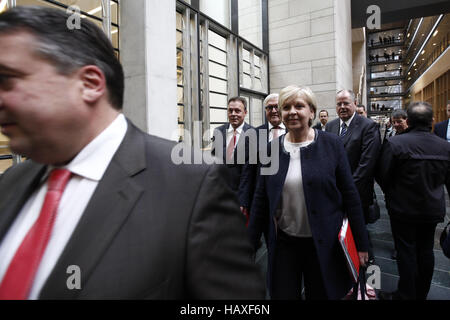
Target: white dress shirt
{"points": [[448, 131], [238, 133], [88, 168], [346, 122], [294, 216]]}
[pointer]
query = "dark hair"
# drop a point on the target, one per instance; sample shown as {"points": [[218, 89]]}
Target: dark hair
{"points": [[323, 111], [233, 99], [362, 106], [400, 113], [66, 49], [420, 114]]}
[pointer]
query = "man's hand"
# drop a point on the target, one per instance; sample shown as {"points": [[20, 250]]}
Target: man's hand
{"points": [[363, 258], [244, 211]]}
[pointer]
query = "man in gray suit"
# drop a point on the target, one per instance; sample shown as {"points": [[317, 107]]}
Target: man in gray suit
{"points": [[108, 214], [362, 142]]}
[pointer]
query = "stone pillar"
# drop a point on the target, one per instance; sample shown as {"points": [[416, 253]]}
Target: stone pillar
{"points": [[148, 55], [310, 44]]}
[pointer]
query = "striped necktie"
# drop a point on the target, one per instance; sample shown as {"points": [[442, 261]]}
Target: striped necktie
{"points": [[344, 129]]}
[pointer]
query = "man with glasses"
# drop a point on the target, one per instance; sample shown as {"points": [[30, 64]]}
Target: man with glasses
{"points": [[441, 129], [362, 142], [272, 129]]}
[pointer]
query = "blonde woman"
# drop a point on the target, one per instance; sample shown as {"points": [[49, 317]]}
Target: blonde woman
{"points": [[304, 204]]}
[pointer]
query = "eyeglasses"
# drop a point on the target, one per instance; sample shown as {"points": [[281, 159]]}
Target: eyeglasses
{"points": [[271, 108]]}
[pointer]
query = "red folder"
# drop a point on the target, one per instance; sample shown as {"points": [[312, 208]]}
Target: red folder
{"points": [[348, 246]]}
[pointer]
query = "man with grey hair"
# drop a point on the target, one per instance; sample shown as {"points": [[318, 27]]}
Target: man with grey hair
{"points": [[442, 129], [413, 169], [272, 129], [362, 142]]}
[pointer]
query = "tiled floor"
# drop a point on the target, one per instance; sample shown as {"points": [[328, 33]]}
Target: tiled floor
{"points": [[380, 233], [383, 244]]}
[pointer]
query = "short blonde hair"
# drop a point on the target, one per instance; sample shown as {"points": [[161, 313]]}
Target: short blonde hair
{"points": [[290, 93]]}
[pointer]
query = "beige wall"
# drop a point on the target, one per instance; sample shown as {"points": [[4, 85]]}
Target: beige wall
{"points": [[309, 45], [148, 55]]}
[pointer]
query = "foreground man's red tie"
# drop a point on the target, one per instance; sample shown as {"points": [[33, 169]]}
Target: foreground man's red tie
{"points": [[19, 277]]}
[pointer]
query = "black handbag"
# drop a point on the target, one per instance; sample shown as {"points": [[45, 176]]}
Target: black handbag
{"points": [[445, 241], [360, 290], [374, 211]]}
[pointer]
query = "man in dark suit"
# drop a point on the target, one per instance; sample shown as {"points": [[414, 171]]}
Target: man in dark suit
{"points": [[97, 212], [323, 119], [362, 142], [441, 128], [233, 139], [412, 171], [271, 129], [361, 110]]}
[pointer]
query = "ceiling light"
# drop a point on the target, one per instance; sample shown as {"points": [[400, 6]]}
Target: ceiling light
{"points": [[408, 35], [435, 33], [423, 52], [434, 44], [414, 64]]}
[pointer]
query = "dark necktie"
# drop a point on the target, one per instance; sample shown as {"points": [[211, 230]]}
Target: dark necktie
{"points": [[20, 275], [344, 129]]}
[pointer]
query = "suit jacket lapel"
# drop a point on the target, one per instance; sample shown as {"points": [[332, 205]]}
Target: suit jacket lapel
{"points": [[335, 127], [14, 196], [105, 213], [224, 134]]}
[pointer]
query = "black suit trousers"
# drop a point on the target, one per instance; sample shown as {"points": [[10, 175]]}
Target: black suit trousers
{"points": [[414, 243], [296, 258]]}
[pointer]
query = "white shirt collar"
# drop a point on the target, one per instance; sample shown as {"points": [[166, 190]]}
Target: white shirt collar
{"points": [[91, 162], [281, 125], [348, 121], [238, 129]]}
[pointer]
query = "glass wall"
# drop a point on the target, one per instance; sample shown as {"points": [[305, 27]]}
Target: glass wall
{"points": [[220, 60], [95, 10], [107, 18], [250, 21], [218, 10]]}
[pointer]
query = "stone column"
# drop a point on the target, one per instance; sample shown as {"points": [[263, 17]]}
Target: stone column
{"points": [[310, 44], [148, 55]]}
